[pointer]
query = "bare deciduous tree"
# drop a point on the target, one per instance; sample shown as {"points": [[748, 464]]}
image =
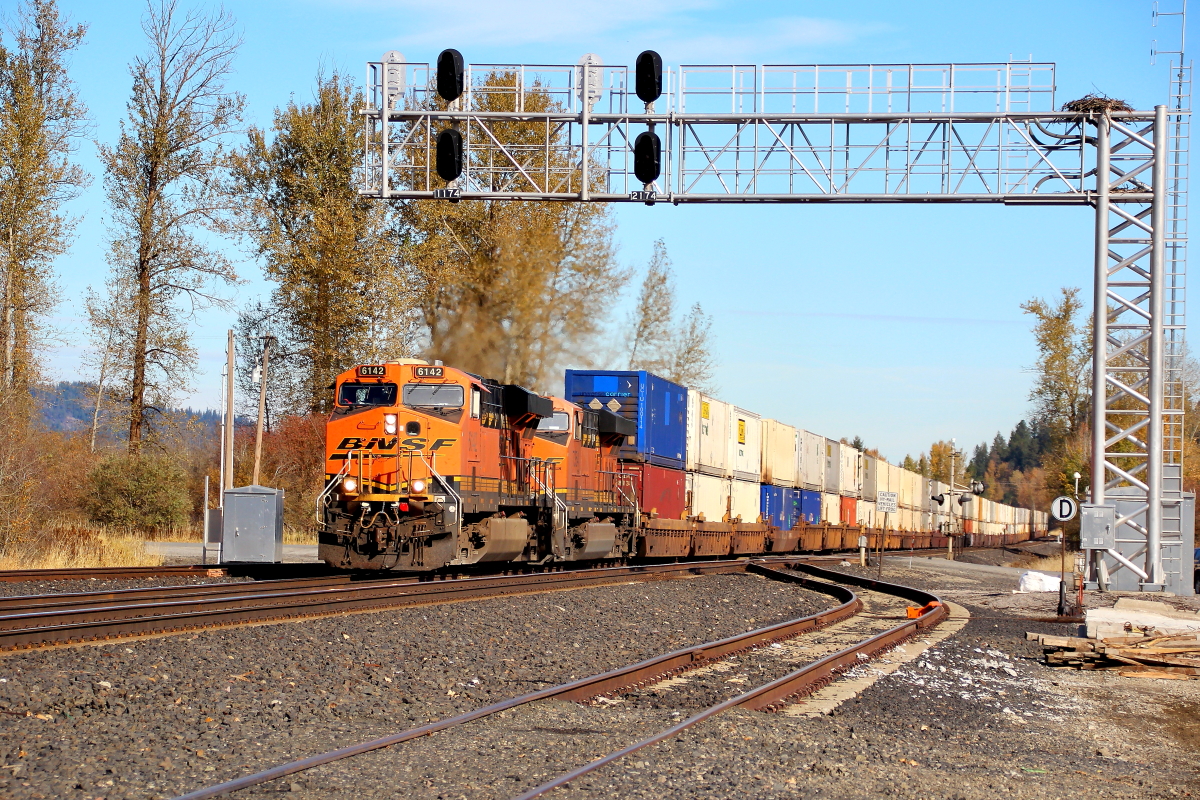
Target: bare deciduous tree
{"points": [[165, 180], [679, 351]]}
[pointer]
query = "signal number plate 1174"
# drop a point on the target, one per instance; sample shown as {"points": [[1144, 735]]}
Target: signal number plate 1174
{"points": [[372, 371], [429, 372]]}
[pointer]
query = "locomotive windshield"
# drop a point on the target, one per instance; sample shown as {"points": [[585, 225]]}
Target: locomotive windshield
{"points": [[561, 421], [433, 395], [367, 394]]}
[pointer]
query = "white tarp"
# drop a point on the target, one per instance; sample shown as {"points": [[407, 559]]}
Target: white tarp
{"points": [[1038, 582]]}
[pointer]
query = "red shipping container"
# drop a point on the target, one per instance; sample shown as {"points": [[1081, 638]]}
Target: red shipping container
{"points": [[849, 511], [659, 489]]}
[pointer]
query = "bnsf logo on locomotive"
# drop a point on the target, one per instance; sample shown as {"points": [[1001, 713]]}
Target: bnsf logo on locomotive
{"points": [[372, 371], [383, 443], [429, 372]]}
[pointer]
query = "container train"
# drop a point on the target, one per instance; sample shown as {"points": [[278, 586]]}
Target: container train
{"points": [[428, 466]]}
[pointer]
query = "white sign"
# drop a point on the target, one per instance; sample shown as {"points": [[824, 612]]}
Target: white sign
{"points": [[1064, 508], [885, 502]]}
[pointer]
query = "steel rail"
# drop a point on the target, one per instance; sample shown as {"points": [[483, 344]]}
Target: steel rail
{"points": [[632, 676], [805, 680], [100, 573], [150, 594], [182, 570], [57, 626]]}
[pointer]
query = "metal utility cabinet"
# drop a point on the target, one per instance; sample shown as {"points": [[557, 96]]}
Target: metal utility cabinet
{"points": [[252, 525]]}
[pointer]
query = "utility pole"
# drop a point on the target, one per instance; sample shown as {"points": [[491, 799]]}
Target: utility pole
{"points": [[950, 537], [228, 460], [262, 407]]}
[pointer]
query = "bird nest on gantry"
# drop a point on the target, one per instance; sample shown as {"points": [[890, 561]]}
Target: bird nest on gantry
{"points": [[1096, 104]]}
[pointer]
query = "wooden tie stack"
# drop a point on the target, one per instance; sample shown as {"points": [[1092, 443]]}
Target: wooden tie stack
{"points": [[1136, 637], [1142, 656]]}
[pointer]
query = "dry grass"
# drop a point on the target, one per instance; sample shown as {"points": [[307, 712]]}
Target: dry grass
{"points": [[1047, 564], [73, 546], [299, 535]]}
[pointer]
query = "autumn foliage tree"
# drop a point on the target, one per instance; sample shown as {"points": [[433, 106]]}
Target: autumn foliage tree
{"points": [[512, 290], [42, 121], [338, 297]]}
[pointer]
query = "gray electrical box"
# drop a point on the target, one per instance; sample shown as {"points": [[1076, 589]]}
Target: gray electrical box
{"points": [[252, 525], [1098, 527]]}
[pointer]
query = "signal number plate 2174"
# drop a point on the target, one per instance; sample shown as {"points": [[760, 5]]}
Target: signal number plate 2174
{"points": [[374, 370], [429, 372]]}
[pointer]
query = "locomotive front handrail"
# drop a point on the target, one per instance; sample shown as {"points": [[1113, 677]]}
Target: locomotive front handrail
{"points": [[329, 488]]}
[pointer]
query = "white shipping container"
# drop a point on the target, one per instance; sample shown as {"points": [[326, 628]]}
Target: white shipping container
{"points": [[779, 453], [810, 465], [850, 472], [909, 487], [866, 513], [745, 444], [708, 435], [831, 508], [709, 495], [871, 467], [833, 467], [745, 500]]}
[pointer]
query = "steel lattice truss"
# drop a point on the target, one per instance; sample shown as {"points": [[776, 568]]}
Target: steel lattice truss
{"points": [[853, 133], [1137, 429]]}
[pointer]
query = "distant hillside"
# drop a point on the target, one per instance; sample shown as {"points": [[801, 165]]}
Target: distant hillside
{"points": [[68, 406]]}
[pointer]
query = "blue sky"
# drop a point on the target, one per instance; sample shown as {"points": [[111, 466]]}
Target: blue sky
{"points": [[899, 324]]}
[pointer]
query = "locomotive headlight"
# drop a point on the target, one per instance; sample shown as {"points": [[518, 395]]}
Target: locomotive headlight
{"points": [[389, 423], [418, 487], [349, 485]]}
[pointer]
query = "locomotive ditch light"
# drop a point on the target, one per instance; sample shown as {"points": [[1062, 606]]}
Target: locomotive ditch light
{"points": [[449, 157], [350, 486], [417, 487], [647, 157], [648, 76], [450, 75]]}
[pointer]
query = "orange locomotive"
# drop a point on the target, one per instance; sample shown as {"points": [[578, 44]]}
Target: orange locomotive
{"points": [[429, 466]]}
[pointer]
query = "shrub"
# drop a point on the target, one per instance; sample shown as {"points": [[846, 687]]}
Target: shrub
{"points": [[143, 492]]}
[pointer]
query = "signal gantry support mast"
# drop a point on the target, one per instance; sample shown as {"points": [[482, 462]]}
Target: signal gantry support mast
{"points": [[871, 133]]}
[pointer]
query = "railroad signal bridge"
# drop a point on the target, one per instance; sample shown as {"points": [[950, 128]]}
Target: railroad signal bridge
{"points": [[860, 133]]}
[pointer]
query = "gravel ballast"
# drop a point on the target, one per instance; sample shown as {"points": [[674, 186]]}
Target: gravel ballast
{"points": [[162, 716], [29, 588]]}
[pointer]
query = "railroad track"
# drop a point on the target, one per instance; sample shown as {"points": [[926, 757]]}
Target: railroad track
{"points": [[44, 620], [771, 695], [257, 571]]}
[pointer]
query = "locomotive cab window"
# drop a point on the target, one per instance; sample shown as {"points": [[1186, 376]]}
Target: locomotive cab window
{"points": [[367, 394], [433, 395], [475, 402], [561, 421]]}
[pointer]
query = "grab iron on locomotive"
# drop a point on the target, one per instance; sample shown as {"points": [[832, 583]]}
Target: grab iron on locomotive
{"points": [[429, 466]]}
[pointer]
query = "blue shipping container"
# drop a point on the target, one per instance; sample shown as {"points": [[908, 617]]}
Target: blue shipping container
{"points": [[810, 507], [779, 506], [658, 406], [792, 503]]}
